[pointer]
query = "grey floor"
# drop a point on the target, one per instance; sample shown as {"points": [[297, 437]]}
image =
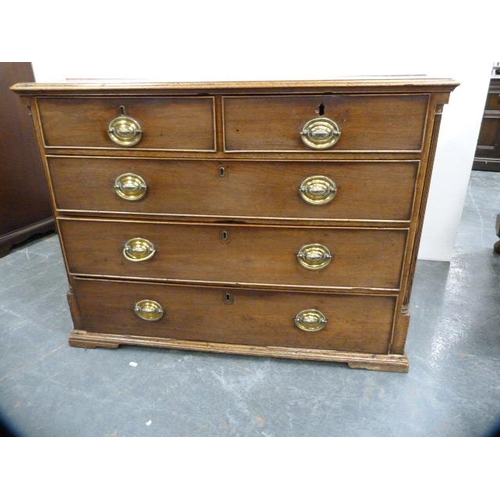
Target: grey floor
{"points": [[452, 389]]}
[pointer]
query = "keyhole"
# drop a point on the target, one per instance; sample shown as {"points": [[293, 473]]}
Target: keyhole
{"points": [[321, 109], [224, 236], [228, 298], [222, 171]]}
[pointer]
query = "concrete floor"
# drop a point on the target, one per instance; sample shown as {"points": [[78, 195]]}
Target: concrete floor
{"points": [[452, 389]]}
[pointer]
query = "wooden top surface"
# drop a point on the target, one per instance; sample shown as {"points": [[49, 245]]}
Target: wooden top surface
{"points": [[351, 85]]}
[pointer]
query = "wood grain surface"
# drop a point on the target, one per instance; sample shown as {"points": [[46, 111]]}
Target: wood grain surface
{"points": [[223, 163]]}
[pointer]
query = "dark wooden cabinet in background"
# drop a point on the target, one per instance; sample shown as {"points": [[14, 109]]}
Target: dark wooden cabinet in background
{"points": [[487, 155], [24, 195]]}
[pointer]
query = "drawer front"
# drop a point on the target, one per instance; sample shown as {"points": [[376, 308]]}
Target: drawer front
{"points": [[338, 322], [364, 190], [168, 123], [493, 97], [272, 255], [364, 123], [488, 136]]}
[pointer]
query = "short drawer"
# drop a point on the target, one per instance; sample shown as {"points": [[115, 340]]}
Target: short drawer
{"points": [[167, 123], [236, 190], [312, 123], [235, 316], [493, 97], [232, 254]]}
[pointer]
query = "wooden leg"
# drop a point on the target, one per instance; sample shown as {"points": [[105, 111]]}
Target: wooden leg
{"points": [[400, 367], [377, 362], [77, 339]]}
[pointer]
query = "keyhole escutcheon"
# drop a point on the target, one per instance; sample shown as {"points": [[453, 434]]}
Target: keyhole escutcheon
{"points": [[224, 236]]}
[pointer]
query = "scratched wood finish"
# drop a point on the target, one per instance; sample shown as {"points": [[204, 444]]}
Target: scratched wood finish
{"points": [[253, 318], [367, 191], [166, 123], [227, 157], [363, 258], [377, 85], [377, 123]]}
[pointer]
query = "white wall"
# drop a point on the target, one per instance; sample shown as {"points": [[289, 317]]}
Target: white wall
{"points": [[214, 40], [454, 157]]}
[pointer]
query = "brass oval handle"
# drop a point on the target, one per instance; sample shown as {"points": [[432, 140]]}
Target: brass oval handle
{"points": [[124, 130], [320, 133], [318, 190], [130, 187], [314, 256], [138, 250], [310, 320], [149, 310]]}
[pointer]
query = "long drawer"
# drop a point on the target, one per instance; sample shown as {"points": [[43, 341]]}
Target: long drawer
{"points": [[250, 317], [163, 123], [245, 254], [306, 123], [234, 190]]}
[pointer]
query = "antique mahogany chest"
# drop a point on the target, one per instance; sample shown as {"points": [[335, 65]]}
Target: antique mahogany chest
{"points": [[261, 218]]}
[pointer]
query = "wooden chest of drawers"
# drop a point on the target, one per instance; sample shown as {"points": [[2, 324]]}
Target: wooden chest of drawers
{"points": [[265, 218]]}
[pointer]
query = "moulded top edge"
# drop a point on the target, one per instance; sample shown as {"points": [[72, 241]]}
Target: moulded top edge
{"points": [[372, 84]]}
